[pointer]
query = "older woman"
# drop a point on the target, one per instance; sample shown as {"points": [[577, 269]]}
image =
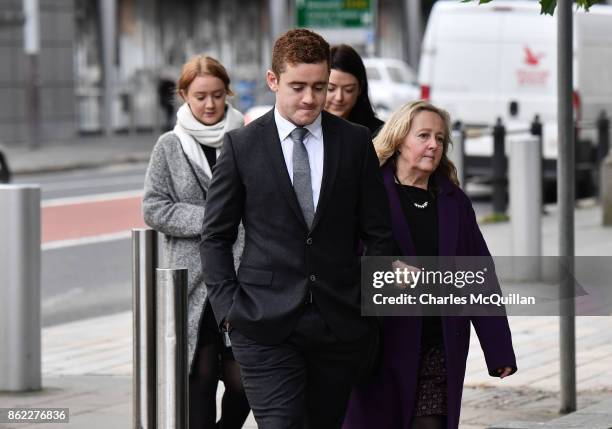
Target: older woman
{"points": [[176, 185], [347, 91], [423, 363]]}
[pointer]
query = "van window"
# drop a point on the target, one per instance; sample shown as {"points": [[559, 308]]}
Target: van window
{"points": [[401, 75], [373, 73]]}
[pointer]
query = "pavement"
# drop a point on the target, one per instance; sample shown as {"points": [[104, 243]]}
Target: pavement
{"points": [[82, 152], [87, 365]]}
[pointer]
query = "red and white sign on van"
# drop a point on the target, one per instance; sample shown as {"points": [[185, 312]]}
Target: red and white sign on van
{"points": [[531, 58], [532, 75]]}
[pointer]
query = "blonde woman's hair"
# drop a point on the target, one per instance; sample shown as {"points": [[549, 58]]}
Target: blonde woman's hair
{"points": [[395, 131]]}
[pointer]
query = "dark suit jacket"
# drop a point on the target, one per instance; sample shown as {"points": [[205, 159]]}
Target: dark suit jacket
{"points": [[282, 259]]}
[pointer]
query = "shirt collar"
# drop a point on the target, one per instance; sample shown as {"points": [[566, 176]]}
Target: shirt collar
{"points": [[285, 126]]}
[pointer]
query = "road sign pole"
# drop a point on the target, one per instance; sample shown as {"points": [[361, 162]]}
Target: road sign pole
{"points": [[566, 198]]}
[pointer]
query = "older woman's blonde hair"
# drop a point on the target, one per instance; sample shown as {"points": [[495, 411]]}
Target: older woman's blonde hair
{"points": [[396, 129]]}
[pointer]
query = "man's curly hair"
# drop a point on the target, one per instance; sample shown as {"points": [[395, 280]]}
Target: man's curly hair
{"points": [[299, 46]]}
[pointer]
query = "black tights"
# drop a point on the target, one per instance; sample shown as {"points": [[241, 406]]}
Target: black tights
{"points": [[203, 382], [429, 422]]}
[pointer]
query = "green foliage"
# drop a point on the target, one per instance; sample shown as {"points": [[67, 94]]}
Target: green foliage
{"points": [[494, 217], [548, 6]]}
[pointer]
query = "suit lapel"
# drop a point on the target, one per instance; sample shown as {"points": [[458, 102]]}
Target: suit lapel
{"points": [[331, 156], [269, 135]]}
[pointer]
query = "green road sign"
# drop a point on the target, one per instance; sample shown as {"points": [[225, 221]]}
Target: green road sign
{"points": [[356, 14]]}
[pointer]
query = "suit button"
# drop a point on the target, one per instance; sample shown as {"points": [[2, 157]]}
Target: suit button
{"points": [[313, 278], [309, 241]]}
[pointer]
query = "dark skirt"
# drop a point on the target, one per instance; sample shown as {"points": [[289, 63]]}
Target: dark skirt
{"points": [[210, 333], [431, 393]]}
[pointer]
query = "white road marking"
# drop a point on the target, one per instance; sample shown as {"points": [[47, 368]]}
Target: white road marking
{"points": [[82, 183], [103, 238]]}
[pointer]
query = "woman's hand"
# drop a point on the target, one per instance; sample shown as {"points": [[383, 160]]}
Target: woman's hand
{"points": [[504, 372], [399, 265]]}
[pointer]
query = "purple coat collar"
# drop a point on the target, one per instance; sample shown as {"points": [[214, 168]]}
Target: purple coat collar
{"points": [[448, 214]]}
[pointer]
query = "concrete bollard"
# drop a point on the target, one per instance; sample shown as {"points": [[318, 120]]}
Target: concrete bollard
{"points": [[172, 378], [20, 363], [525, 207]]}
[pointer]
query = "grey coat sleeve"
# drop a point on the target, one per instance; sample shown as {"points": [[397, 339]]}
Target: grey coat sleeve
{"points": [[160, 207]]}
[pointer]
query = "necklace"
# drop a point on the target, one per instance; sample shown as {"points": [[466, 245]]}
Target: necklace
{"points": [[421, 206]]}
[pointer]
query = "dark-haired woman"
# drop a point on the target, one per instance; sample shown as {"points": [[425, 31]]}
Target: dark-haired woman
{"points": [[176, 186], [347, 92]]}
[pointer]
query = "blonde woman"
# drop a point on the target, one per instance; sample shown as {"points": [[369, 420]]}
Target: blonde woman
{"points": [[421, 379]]}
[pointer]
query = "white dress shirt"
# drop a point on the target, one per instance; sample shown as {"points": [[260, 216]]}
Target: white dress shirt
{"points": [[314, 146]]}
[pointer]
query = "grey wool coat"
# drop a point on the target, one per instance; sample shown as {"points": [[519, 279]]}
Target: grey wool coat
{"points": [[174, 204]]}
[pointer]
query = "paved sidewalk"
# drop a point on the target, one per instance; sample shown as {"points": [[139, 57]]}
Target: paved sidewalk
{"points": [[87, 365], [84, 152]]}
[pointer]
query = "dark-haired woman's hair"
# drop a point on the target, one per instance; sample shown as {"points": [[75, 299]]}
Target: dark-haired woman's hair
{"points": [[346, 59]]}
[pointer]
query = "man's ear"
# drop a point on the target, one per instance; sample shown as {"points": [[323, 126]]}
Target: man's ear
{"points": [[272, 80]]}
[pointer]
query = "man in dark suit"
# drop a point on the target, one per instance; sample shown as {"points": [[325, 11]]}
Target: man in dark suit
{"points": [[307, 187]]}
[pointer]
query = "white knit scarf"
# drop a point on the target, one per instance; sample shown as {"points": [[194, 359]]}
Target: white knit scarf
{"points": [[192, 132]]}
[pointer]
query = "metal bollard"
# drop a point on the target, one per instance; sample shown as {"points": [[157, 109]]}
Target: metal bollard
{"points": [[144, 262], [457, 151], [499, 168], [172, 387], [20, 364], [5, 172], [537, 130], [603, 136], [525, 207]]}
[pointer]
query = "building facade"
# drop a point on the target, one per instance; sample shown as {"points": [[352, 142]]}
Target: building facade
{"points": [[56, 76], [103, 63]]}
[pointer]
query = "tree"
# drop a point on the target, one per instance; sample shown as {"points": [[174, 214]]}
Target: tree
{"points": [[548, 6]]}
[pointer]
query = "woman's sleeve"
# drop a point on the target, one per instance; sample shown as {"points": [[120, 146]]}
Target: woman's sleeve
{"points": [[160, 209], [493, 331]]}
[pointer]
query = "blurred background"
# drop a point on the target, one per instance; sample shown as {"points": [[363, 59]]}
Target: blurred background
{"points": [[87, 86], [127, 53]]}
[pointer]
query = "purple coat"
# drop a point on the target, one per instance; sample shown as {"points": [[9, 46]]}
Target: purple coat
{"points": [[387, 402]]}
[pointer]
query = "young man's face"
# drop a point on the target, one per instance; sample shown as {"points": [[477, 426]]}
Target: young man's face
{"points": [[301, 91]]}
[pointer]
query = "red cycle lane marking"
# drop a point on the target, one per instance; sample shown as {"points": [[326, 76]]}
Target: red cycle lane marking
{"points": [[90, 219]]}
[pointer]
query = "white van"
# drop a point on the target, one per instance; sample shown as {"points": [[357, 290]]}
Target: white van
{"points": [[480, 62], [391, 82]]}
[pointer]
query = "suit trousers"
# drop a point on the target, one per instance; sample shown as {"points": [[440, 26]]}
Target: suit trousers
{"points": [[306, 380]]}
